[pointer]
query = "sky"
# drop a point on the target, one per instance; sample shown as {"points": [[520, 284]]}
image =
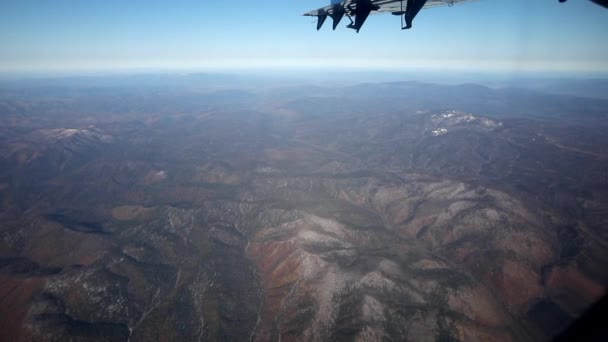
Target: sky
{"points": [[497, 35]]}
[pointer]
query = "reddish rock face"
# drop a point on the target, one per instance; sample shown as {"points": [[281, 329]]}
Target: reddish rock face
{"points": [[16, 297], [332, 273], [277, 265], [572, 289], [517, 285]]}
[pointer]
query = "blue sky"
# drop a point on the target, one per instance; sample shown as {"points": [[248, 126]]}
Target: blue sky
{"points": [[73, 35]]}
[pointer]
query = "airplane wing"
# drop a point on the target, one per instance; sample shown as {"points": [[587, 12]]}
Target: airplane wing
{"points": [[385, 6], [362, 8]]}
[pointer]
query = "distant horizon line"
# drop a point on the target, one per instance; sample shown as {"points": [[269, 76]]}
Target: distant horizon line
{"points": [[290, 71]]}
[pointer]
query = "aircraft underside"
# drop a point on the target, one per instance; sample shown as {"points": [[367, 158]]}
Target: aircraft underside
{"points": [[357, 11]]}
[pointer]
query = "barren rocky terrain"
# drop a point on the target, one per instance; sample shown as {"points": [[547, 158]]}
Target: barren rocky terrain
{"points": [[377, 212]]}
